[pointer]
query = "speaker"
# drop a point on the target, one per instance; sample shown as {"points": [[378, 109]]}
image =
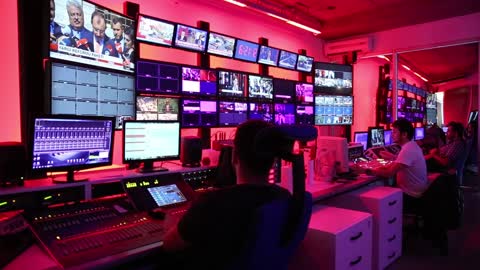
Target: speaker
{"points": [[191, 151], [13, 159]]}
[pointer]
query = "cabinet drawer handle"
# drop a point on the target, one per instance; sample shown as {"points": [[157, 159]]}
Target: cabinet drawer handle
{"points": [[353, 238], [392, 203], [392, 220], [390, 256], [392, 238], [359, 259]]}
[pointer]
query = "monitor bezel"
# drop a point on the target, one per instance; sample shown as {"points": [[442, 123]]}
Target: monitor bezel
{"points": [[156, 19]]}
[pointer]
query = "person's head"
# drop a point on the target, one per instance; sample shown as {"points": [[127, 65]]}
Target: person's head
{"points": [[52, 10], [117, 28], [402, 131], [98, 24], [454, 131], [128, 36], [75, 14], [249, 166]]}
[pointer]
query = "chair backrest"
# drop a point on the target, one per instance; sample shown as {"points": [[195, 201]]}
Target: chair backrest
{"points": [[460, 164], [266, 248]]}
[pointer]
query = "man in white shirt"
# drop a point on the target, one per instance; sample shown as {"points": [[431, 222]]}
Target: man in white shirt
{"points": [[409, 167]]}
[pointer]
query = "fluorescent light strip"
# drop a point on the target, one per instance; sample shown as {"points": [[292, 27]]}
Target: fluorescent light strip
{"points": [[405, 67], [383, 57], [240, 4], [276, 17], [316, 32]]}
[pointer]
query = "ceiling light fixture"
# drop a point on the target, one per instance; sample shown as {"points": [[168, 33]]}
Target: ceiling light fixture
{"points": [[240, 4]]}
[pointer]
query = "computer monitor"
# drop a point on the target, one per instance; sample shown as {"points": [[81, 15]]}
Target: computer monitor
{"points": [[231, 113], [304, 115], [419, 133], [375, 137], [199, 113], [284, 114], [232, 84], [157, 108], [199, 81], [70, 143], [262, 111], [361, 137], [387, 135], [149, 141]]}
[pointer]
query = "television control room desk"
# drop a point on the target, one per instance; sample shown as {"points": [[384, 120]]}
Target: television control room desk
{"points": [[35, 257]]}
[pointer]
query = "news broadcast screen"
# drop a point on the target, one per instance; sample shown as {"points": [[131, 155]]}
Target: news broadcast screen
{"points": [[86, 33], [155, 31], [304, 115], [260, 87], [199, 113], [304, 63], [287, 59], [333, 110], [284, 114], [198, 81], [232, 113], [304, 93], [268, 56], [245, 50], [220, 44], [190, 38], [232, 84], [262, 111], [157, 108], [333, 79], [284, 90]]}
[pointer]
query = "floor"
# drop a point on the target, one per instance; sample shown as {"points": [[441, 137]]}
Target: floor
{"points": [[464, 243]]}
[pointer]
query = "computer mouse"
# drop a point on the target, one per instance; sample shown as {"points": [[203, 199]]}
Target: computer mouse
{"points": [[157, 213]]}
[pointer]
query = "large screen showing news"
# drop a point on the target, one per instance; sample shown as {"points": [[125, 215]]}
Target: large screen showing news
{"points": [[83, 32], [232, 113], [333, 110], [284, 114], [199, 113], [154, 77], [197, 81], [155, 31], [157, 108], [287, 59], [190, 38], [220, 44], [260, 87], [232, 84], [245, 50], [268, 56], [333, 79]]}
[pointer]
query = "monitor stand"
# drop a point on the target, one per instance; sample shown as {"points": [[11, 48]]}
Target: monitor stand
{"points": [[70, 179], [149, 168]]}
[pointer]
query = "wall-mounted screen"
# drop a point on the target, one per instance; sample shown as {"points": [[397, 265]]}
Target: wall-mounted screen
{"points": [[387, 135], [305, 115], [199, 113], [86, 33], [190, 38], [157, 108], [304, 63], [419, 133], [197, 81], [232, 84], [262, 111], [268, 56], [375, 137], [154, 77], [284, 90], [287, 59], [155, 31], [333, 110], [260, 87], [220, 45], [361, 137], [333, 79], [232, 113], [245, 50], [304, 93], [284, 114]]}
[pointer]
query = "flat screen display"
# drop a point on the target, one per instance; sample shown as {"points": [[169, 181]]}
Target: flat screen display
{"points": [[284, 90], [304, 93], [197, 81], [154, 77], [361, 137], [245, 50], [305, 115], [419, 133], [155, 31], [232, 113], [387, 134], [190, 38], [268, 56], [304, 63], [375, 137], [199, 113], [83, 32], [284, 114], [262, 111], [220, 45], [232, 84], [333, 110], [157, 108], [260, 87], [333, 79], [287, 59], [166, 195], [151, 140]]}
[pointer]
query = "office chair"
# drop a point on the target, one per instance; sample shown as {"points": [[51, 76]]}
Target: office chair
{"points": [[460, 164]]}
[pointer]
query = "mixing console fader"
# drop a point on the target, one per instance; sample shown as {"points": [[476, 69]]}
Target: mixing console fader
{"points": [[96, 234]]}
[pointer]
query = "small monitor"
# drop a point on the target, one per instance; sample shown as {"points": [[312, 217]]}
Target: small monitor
{"points": [[221, 45], [284, 114], [305, 115], [287, 59], [156, 77], [375, 137], [361, 137], [232, 113], [190, 38], [70, 143], [232, 84], [388, 136], [150, 141], [245, 50], [157, 108], [199, 113], [155, 31], [260, 87], [419, 133], [304, 93], [304, 63], [198, 81], [284, 90], [333, 79], [268, 56], [262, 111]]}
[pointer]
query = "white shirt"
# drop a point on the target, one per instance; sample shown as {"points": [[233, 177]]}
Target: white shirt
{"points": [[413, 179]]}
